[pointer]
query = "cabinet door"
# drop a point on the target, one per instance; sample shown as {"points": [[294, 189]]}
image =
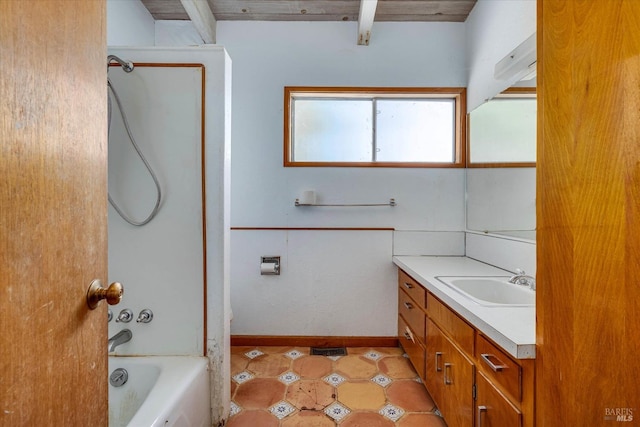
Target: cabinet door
{"points": [[458, 378], [450, 376], [494, 410], [434, 363]]}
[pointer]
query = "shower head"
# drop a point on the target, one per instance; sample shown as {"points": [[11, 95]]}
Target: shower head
{"points": [[126, 65]]}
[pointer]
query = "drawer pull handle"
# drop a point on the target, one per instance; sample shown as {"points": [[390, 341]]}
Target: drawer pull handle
{"points": [[408, 285], [438, 357], [408, 305], [496, 367], [481, 410], [447, 377]]}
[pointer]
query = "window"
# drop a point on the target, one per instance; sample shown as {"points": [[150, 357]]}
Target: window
{"points": [[413, 127]]}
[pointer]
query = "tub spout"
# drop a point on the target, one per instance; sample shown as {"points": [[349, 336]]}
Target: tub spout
{"points": [[121, 337]]}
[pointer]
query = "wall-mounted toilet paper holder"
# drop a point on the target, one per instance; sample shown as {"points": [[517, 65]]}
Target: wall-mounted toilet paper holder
{"points": [[270, 265]]}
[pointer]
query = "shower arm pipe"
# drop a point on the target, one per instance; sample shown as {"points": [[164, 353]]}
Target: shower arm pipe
{"points": [[127, 66]]}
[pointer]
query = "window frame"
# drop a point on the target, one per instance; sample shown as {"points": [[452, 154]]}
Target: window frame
{"points": [[458, 94], [514, 92]]}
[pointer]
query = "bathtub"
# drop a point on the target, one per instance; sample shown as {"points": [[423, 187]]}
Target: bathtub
{"points": [[160, 391]]}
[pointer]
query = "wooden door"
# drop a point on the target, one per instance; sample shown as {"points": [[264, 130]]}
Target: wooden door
{"points": [[53, 229], [588, 287], [458, 378]]}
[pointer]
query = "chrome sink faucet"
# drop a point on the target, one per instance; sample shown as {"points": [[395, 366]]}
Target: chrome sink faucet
{"points": [[523, 279], [121, 337]]}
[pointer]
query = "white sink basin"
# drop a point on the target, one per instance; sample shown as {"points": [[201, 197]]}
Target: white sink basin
{"points": [[491, 291]]}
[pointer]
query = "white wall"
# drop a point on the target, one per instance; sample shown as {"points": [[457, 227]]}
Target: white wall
{"points": [[494, 28], [270, 55], [129, 23]]}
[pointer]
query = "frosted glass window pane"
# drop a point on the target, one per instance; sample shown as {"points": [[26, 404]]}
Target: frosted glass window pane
{"points": [[330, 130], [503, 131], [412, 130]]}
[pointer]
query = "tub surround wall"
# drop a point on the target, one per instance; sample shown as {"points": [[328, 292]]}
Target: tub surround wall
{"points": [[160, 264], [190, 294]]}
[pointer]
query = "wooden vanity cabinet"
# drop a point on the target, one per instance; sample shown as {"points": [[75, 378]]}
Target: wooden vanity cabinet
{"points": [[411, 320], [472, 380]]}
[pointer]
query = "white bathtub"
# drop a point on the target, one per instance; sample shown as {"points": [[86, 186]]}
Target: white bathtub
{"points": [[161, 391]]}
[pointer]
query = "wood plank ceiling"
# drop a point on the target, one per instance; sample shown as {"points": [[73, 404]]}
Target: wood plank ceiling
{"points": [[318, 10]]}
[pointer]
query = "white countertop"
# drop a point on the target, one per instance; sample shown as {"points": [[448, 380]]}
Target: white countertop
{"points": [[513, 328]]}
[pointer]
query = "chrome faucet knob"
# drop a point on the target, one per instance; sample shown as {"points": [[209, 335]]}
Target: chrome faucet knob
{"points": [[125, 316], [109, 315], [145, 316]]}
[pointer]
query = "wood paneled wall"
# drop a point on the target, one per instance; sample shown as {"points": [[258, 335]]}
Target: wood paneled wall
{"points": [[588, 307]]}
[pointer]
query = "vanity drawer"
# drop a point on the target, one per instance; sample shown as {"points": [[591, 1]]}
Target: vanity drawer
{"points": [[412, 346], [459, 330], [412, 313], [499, 367], [412, 288]]}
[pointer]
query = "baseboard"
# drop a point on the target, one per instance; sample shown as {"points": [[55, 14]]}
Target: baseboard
{"points": [[312, 341]]}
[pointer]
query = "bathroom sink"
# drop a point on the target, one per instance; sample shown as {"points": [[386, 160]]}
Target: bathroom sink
{"points": [[491, 291]]}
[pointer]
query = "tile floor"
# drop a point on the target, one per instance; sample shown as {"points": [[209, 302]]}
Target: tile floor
{"points": [[287, 387]]}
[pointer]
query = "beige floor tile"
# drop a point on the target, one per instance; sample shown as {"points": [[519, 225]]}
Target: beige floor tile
{"points": [[421, 420], [259, 393], [269, 365], [238, 363], [366, 419], [312, 366], [397, 367], [310, 394], [356, 367], [253, 419], [410, 396], [308, 419], [362, 395]]}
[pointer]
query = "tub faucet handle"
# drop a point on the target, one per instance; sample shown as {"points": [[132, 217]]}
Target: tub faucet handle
{"points": [[145, 316], [125, 316]]}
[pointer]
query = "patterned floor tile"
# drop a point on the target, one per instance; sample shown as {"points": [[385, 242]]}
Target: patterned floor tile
{"points": [[372, 355], [242, 377], [334, 379], [288, 378], [391, 412], [294, 354], [253, 354], [337, 411], [282, 409], [286, 387], [382, 380], [234, 409]]}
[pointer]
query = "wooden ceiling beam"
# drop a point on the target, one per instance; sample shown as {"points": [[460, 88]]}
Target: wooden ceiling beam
{"points": [[365, 20], [202, 18]]}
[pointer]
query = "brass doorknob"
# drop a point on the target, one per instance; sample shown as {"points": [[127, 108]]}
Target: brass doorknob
{"points": [[96, 293]]}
